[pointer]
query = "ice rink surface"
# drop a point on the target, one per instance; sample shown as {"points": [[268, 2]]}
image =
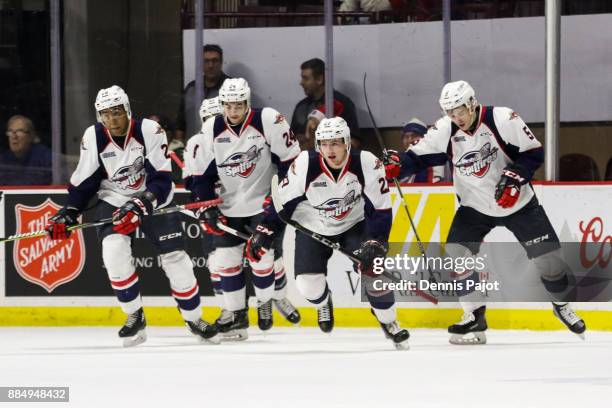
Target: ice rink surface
{"points": [[302, 367]]}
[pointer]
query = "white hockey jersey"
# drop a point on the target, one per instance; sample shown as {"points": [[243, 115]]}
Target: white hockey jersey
{"points": [[501, 139], [244, 162], [313, 197], [117, 173]]}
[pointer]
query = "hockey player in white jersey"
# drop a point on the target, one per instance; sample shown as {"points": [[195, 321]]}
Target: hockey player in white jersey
{"points": [[124, 162], [242, 148], [494, 155], [210, 108], [342, 194]]}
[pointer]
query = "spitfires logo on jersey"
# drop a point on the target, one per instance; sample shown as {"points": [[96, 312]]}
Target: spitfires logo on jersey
{"points": [[339, 208], [242, 163], [477, 163], [130, 177], [41, 260]]}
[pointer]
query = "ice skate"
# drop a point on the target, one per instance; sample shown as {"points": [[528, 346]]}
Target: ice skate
{"points": [[233, 325], [569, 318], [471, 328], [288, 311], [397, 335], [325, 316], [207, 332], [264, 315], [133, 331]]}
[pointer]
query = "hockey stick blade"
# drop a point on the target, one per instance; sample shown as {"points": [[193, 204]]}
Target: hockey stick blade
{"points": [[161, 211]]}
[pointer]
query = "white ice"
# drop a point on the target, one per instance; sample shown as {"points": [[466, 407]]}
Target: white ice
{"points": [[302, 367]]}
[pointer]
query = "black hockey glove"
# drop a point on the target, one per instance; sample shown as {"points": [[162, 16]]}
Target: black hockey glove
{"points": [[57, 226], [259, 243], [209, 218], [369, 251], [129, 216], [508, 188]]}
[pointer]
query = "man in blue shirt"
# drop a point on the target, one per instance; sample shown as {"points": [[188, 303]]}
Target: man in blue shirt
{"points": [[25, 162]]}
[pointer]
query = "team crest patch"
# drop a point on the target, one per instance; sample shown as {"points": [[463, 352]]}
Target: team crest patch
{"points": [[41, 260], [241, 164], [159, 130], [130, 177], [339, 208], [514, 115], [280, 118], [477, 163]]}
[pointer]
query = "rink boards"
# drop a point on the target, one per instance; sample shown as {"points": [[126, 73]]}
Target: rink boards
{"points": [[50, 283]]}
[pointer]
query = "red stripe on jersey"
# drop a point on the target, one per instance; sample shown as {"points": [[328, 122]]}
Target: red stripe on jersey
{"points": [[122, 283], [346, 167], [247, 122], [186, 294], [234, 270], [261, 272], [324, 167]]}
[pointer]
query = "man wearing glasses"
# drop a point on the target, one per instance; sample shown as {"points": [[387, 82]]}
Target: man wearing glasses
{"points": [[25, 162]]}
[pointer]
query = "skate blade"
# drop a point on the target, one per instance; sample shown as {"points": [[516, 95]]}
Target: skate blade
{"points": [[581, 335], [235, 335], [402, 345], [135, 340], [466, 340], [216, 339]]}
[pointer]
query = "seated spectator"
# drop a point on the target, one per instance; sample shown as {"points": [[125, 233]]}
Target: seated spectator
{"points": [[175, 144], [187, 120], [316, 116], [313, 83], [365, 5], [25, 162], [412, 132], [371, 6]]}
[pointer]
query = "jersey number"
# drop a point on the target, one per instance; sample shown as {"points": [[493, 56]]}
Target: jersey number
{"points": [[528, 133], [384, 186], [289, 138], [164, 147]]}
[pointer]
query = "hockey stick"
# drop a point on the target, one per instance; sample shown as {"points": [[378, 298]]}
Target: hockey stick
{"points": [[396, 181], [160, 211], [233, 231], [280, 210], [220, 225], [176, 159]]}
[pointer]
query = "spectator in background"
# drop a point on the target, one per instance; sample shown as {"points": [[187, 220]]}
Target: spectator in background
{"points": [[188, 121], [412, 132], [25, 162], [313, 83], [365, 5], [176, 144], [316, 116], [371, 6]]}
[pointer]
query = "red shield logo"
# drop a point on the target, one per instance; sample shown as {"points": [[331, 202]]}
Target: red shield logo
{"points": [[41, 260]]}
